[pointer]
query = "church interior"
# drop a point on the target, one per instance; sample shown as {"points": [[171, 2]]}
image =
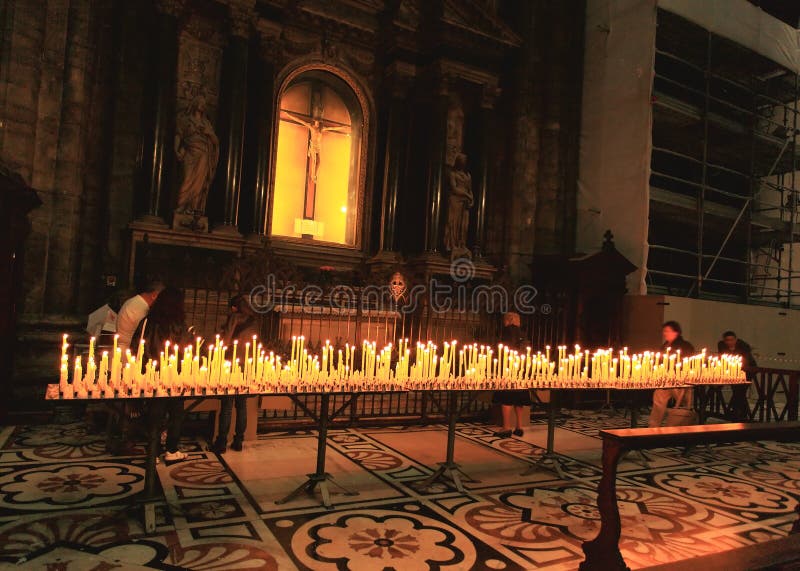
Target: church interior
{"points": [[363, 285]]}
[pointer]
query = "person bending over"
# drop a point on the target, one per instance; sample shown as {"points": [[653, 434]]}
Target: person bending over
{"points": [[166, 321], [674, 341]]}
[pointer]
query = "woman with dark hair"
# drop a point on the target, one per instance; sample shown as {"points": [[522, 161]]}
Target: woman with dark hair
{"points": [[673, 341], [241, 326], [166, 321], [514, 400]]}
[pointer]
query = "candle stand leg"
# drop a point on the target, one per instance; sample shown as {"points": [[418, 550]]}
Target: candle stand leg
{"points": [[608, 405], [320, 478], [148, 498], [550, 459], [637, 456], [449, 469]]}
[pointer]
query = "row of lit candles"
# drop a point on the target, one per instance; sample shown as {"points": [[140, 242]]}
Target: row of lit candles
{"points": [[222, 369]]}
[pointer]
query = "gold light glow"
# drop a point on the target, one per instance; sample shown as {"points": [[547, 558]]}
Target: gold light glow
{"points": [[293, 172]]}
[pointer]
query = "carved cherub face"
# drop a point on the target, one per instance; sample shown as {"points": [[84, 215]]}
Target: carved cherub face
{"points": [[461, 161]]}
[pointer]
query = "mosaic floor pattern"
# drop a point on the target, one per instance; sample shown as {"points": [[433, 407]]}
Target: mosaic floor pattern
{"points": [[67, 505]]}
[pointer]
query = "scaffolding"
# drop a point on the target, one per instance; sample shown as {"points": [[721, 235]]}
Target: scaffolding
{"points": [[723, 184]]}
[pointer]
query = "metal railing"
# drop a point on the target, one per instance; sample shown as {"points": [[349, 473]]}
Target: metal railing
{"points": [[415, 407], [771, 397], [363, 316]]}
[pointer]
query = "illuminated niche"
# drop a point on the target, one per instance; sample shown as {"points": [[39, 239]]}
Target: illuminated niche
{"points": [[316, 195]]}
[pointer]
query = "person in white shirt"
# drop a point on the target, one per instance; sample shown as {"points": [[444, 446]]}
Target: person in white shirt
{"points": [[133, 311]]}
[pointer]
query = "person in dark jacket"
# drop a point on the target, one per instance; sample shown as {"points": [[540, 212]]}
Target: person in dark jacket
{"points": [[515, 400], [240, 326], [732, 345], [674, 341], [166, 321]]}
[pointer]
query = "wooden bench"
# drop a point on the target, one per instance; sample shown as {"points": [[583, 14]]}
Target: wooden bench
{"points": [[602, 553]]}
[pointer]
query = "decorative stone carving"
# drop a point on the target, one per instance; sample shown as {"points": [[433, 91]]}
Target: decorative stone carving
{"points": [[398, 286], [200, 62], [242, 16], [459, 201], [455, 129], [269, 40], [170, 7], [197, 149]]}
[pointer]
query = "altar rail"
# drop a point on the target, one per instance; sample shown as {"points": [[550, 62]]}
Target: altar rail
{"points": [[773, 396], [363, 317]]}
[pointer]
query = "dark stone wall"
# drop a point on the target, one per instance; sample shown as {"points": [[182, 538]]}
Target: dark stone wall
{"points": [[73, 81]]}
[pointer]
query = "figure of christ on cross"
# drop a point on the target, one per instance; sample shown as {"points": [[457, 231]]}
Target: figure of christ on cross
{"points": [[316, 126]]}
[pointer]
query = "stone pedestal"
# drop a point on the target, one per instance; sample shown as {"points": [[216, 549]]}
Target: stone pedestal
{"points": [[190, 222]]}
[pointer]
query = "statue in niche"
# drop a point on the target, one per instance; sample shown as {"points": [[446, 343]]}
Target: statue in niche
{"points": [[455, 129], [459, 201], [197, 148]]}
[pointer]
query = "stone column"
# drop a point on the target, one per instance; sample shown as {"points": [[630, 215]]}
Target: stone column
{"points": [[263, 118], [436, 165], [396, 134], [486, 120], [550, 191], [521, 213], [241, 14], [160, 97]]}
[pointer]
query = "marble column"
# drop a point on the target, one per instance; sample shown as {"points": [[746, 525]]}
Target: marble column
{"points": [[436, 165], [160, 95], [486, 121], [234, 111], [263, 117]]}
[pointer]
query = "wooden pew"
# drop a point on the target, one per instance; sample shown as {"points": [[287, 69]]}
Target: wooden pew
{"points": [[602, 553]]}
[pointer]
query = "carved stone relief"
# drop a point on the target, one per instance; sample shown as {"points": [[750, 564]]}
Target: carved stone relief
{"points": [[200, 62], [455, 129]]}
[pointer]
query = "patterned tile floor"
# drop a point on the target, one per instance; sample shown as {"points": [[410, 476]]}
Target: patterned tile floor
{"points": [[66, 505]]}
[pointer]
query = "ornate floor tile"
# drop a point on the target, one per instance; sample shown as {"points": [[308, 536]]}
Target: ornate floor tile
{"points": [[403, 536], [61, 501], [211, 510], [202, 472], [735, 496], [75, 484], [222, 556], [86, 529]]}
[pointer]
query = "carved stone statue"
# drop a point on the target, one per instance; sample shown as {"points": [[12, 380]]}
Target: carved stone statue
{"points": [[197, 148], [459, 202]]}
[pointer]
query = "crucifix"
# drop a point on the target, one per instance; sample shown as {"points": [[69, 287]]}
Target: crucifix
{"points": [[317, 126]]}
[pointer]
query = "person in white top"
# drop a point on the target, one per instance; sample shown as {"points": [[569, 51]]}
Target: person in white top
{"points": [[133, 311]]}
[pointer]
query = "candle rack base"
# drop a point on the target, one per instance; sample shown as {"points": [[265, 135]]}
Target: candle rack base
{"points": [[314, 481], [452, 472], [548, 461]]}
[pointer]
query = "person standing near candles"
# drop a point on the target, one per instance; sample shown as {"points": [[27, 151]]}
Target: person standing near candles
{"points": [[674, 341], [516, 400], [129, 317], [241, 326], [732, 345], [166, 321], [133, 311]]}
